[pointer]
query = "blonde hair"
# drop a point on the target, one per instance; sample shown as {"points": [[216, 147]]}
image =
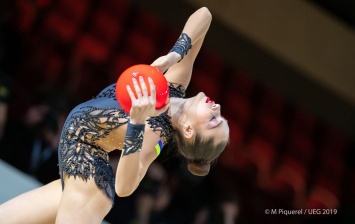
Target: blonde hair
{"points": [[199, 154]]}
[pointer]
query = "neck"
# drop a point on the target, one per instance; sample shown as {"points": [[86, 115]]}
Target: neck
{"points": [[177, 106]]}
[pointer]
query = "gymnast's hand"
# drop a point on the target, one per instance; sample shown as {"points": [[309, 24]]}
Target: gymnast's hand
{"points": [[143, 106], [163, 63]]}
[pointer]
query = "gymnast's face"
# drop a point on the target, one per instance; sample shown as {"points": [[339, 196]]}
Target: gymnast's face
{"points": [[204, 117]]}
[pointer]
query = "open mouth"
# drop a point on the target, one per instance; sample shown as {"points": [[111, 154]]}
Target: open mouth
{"points": [[209, 100]]}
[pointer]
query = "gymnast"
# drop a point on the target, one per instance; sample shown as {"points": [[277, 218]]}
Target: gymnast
{"points": [[87, 185]]}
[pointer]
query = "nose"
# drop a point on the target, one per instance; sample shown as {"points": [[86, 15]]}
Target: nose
{"points": [[216, 107]]}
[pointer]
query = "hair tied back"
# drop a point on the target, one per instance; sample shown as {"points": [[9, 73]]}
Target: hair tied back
{"points": [[198, 167]]}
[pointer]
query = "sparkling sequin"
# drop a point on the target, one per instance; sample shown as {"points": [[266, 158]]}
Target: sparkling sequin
{"points": [[108, 93], [162, 125]]}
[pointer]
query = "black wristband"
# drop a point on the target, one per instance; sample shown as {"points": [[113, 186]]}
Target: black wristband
{"points": [[182, 45], [133, 139]]}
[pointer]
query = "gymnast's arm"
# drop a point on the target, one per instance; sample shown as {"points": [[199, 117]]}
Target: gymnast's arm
{"points": [[139, 144], [196, 28], [133, 167]]}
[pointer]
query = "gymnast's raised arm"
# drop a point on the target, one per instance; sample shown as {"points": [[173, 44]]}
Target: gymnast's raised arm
{"points": [[194, 31]]}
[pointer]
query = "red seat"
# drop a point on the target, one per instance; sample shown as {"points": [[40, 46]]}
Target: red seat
{"points": [[60, 27], [47, 64], [272, 102], [324, 194], [120, 9], [242, 82], [229, 156], [52, 67], [75, 11], [25, 15], [288, 183], [106, 28], [43, 3], [202, 81], [140, 47], [88, 67], [64, 22], [270, 127], [120, 63], [326, 183], [91, 49], [237, 108], [212, 63], [148, 24], [300, 147], [259, 157]]}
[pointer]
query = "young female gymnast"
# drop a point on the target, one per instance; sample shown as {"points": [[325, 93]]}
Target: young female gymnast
{"points": [[86, 190]]}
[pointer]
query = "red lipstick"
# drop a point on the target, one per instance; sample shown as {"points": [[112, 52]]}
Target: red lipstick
{"points": [[208, 100]]}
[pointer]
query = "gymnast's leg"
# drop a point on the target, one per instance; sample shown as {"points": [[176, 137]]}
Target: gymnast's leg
{"points": [[37, 206], [82, 202]]}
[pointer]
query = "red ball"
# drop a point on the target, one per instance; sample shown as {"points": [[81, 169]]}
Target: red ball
{"points": [[161, 85]]}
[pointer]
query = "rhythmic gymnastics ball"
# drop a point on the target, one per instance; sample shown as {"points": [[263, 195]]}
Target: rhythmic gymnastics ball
{"points": [[161, 85]]}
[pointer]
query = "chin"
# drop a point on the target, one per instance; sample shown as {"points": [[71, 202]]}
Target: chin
{"points": [[200, 96]]}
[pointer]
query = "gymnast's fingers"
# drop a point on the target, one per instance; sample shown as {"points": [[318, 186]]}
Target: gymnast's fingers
{"points": [[137, 89], [143, 87], [152, 97], [131, 95]]}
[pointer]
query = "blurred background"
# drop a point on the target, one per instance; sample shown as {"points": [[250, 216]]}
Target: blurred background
{"points": [[283, 72]]}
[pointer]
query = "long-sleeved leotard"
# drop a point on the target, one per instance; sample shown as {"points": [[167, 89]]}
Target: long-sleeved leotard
{"points": [[92, 130]]}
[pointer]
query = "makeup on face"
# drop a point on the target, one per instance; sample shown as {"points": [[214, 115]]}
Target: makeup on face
{"points": [[209, 100]]}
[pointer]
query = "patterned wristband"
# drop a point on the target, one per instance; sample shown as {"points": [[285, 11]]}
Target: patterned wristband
{"points": [[182, 45], [134, 138]]}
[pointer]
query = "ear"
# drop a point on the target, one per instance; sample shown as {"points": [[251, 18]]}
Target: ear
{"points": [[188, 130]]}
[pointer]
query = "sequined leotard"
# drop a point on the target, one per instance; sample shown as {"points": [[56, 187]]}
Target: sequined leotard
{"points": [[91, 131]]}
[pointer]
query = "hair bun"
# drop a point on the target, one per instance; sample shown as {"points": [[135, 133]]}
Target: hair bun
{"points": [[198, 168]]}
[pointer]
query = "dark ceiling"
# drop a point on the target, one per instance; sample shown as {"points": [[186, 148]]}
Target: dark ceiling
{"points": [[343, 10]]}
